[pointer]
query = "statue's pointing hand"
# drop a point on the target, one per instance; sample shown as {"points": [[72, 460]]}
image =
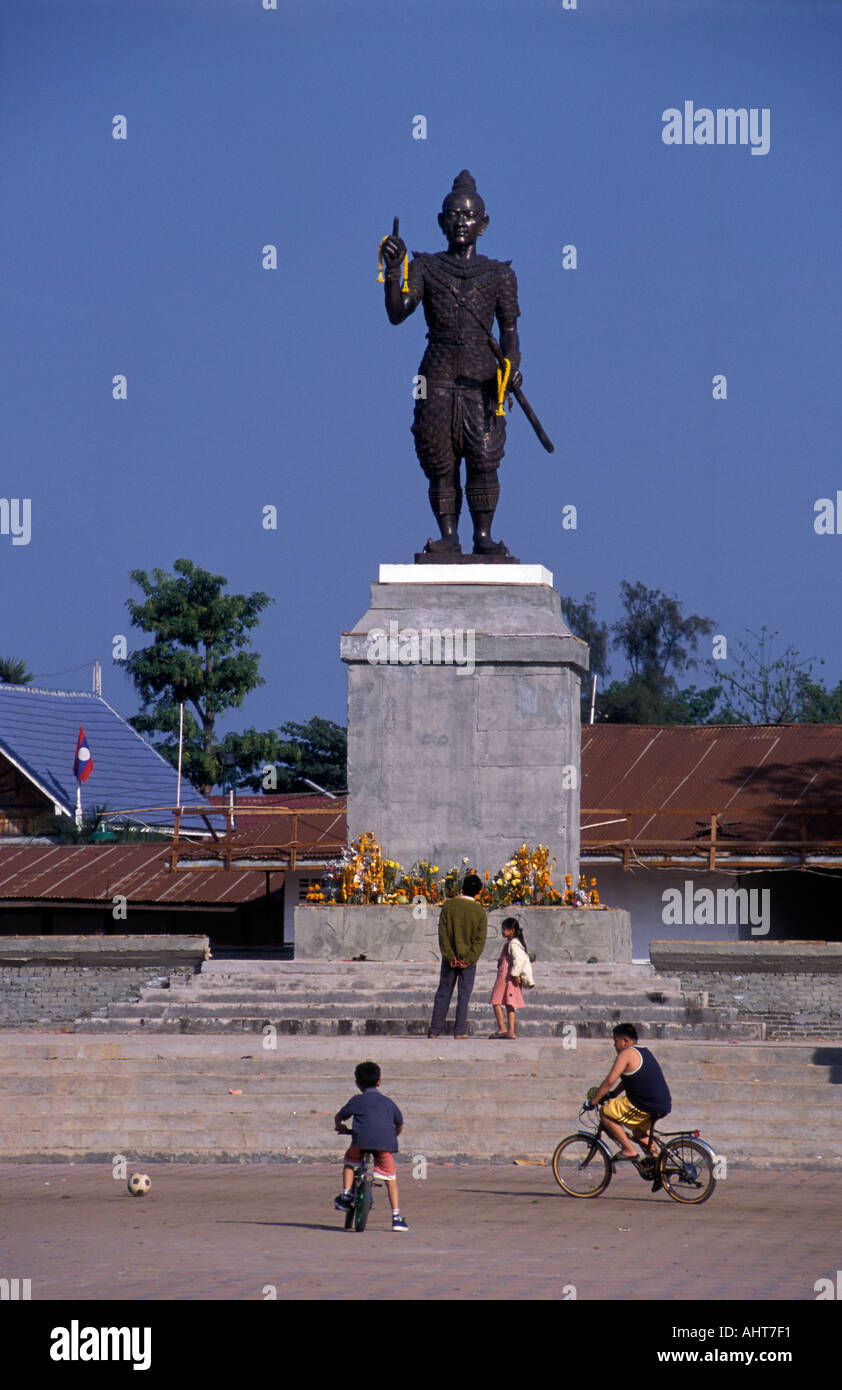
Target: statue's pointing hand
{"points": [[393, 249]]}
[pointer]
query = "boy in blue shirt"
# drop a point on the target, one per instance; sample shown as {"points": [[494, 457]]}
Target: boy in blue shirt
{"points": [[377, 1122]]}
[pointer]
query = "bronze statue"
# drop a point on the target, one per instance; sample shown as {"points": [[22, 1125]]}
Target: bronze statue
{"points": [[466, 374]]}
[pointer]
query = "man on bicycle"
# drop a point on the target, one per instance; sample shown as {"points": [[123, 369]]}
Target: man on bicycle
{"points": [[641, 1097], [377, 1122]]}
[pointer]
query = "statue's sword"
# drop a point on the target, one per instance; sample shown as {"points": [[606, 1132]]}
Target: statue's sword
{"points": [[498, 353]]}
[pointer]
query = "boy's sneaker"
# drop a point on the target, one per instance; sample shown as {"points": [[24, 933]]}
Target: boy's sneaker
{"points": [[398, 1224], [343, 1202]]}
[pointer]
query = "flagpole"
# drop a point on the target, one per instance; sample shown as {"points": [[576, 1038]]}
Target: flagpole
{"points": [[180, 744], [83, 766]]}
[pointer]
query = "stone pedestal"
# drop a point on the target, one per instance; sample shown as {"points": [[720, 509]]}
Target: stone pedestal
{"points": [[553, 934], [463, 716]]}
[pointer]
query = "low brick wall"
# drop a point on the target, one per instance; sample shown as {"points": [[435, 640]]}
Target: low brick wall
{"points": [[334, 932], [794, 987], [59, 979]]}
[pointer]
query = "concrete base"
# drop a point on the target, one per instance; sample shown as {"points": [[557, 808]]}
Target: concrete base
{"points": [[748, 957], [463, 718], [58, 979], [394, 933], [793, 987], [228, 1099]]}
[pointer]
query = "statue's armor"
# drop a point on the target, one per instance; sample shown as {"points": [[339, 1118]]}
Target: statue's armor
{"points": [[458, 417], [458, 346]]}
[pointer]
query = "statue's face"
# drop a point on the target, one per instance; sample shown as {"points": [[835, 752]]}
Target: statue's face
{"points": [[462, 219]]}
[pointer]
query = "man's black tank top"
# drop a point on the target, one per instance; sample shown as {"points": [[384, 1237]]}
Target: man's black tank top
{"points": [[646, 1087]]}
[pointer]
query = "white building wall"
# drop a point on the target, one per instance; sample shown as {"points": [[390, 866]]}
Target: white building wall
{"points": [[296, 884], [641, 892]]}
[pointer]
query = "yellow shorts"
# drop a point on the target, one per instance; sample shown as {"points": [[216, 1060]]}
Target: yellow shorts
{"points": [[623, 1112]]}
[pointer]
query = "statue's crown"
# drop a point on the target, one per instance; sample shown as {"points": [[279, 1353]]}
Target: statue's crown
{"points": [[465, 183]]}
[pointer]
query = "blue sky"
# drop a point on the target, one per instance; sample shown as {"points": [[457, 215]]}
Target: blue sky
{"points": [[248, 388]]}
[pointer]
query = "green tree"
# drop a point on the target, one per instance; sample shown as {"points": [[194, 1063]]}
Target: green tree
{"points": [[583, 623], [655, 637], [658, 642], [767, 689], [14, 672], [200, 657], [816, 705], [692, 706], [317, 750]]}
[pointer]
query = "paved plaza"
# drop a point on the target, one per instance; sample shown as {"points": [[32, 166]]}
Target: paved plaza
{"points": [[252, 1232]]}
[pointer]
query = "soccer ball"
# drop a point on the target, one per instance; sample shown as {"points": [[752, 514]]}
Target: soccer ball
{"points": [[139, 1184]]}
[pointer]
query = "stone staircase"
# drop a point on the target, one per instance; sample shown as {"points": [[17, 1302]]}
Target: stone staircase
{"points": [[376, 999], [211, 1097]]}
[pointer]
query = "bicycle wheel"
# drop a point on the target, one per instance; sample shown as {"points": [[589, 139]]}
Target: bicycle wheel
{"points": [[581, 1167], [364, 1201], [686, 1170]]}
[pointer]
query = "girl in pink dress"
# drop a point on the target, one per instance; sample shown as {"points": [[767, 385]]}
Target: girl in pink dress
{"points": [[510, 964]]}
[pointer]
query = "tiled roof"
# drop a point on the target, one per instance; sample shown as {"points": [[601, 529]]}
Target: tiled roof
{"points": [[38, 733]]}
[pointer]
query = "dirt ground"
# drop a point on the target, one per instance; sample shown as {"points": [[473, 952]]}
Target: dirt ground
{"points": [[260, 1232]]}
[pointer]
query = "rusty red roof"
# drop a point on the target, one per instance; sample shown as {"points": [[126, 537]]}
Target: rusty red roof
{"points": [[760, 781], [140, 873], [314, 825], [277, 801], [765, 783]]}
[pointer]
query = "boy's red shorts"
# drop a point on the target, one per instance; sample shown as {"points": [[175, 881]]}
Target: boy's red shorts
{"points": [[384, 1162]]}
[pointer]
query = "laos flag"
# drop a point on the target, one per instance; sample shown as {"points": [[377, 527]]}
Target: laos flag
{"points": [[83, 763]]}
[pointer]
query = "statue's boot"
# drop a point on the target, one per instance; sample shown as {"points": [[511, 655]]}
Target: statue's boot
{"points": [[448, 545], [483, 544], [447, 517]]}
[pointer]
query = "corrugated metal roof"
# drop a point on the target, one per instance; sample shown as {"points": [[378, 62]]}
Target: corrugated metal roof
{"points": [[315, 825], [251, 823], [758, 778], [38, 733], [98, 873]]}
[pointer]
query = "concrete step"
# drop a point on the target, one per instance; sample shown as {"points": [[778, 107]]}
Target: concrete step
{"points": [[151, 1096], [380, 1027], [164, 1001], [343, 971], [374, 999], [290, 974], [601, 998], [397, 1005], [116, 1080], [49, 1044], [296, 1116]]}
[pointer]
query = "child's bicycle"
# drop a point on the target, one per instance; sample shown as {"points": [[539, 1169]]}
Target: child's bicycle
{"points": [[583, 1164], [362, 1190]]}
